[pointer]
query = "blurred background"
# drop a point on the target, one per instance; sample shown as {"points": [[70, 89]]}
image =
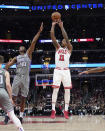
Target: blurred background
{"points": [[84, 21]]}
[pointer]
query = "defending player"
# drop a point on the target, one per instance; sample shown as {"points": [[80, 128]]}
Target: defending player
{"points": [[21, 80], [61, 72], [6, 95], [94, 70]]}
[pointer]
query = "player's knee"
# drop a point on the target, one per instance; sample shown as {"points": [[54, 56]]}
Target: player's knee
{"points": [[55, 91], [11, 114], [67, 91], [14, 98], [54, 95], [23, 98]]}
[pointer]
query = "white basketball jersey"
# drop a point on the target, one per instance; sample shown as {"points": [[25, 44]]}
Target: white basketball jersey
{"points": [[62, 57]]}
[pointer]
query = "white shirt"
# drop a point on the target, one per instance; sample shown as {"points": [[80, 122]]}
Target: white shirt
{"points": [[62, 57]]}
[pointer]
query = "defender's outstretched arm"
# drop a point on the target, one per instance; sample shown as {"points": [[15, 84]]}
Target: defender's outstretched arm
{"points": [[32, 46], [94, 70]]}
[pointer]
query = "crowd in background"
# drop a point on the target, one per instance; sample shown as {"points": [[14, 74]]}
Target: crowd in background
{"points": [[85, 100]]}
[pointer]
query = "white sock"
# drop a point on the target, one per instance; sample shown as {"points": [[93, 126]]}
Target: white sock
{"points": [[67, 99], [15, 120], [53, 106], [54, 97], [21, 114], [66, 107]]}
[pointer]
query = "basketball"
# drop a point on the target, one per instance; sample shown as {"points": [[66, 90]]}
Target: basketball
{"points": [[56, 16]]}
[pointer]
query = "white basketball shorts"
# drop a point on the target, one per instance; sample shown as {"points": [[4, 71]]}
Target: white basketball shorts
{"points": [[63, 76]]}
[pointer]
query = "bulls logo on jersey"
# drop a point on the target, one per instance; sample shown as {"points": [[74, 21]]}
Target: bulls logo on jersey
{"points": [[62, 51], [62, 57]]}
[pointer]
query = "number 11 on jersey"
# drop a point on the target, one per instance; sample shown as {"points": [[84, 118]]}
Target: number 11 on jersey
{"points": [[61, 58]]}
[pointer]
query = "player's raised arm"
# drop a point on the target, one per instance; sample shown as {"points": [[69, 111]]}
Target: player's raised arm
{"points": [[32, 46], [8, 85], [12, 62], [55, 43], [69, 46], [94, 70]]}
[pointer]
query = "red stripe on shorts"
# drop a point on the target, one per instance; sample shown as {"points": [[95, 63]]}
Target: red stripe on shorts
{"points": [[68, 87], [54, 86]]}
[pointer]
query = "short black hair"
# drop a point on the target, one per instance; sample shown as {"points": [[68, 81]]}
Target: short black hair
{"points": [[1, 59], [24, 48]]}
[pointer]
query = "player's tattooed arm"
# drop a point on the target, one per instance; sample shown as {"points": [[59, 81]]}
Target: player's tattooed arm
{"points": [[32, 46], [52, 33], [10, 63], [64, 33], [8, 85], [94, 70]]}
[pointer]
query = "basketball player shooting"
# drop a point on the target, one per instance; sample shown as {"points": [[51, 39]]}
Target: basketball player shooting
{"points": [[61, 72], [6, 96], [21, 80]]}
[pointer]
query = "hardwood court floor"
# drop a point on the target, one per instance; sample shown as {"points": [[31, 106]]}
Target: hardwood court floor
{"points": [[75, 123]]}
